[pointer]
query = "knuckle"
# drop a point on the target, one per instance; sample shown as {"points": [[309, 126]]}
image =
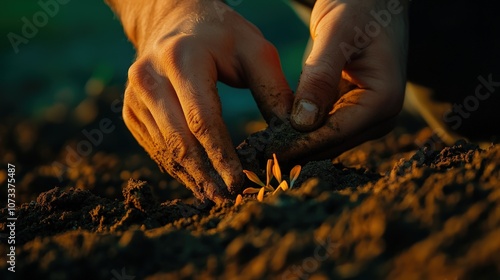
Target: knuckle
{"points": [[177, 50], [128, 116], [174, 141], [129, 102], [177, 147], [260, 49], [268, 50], [196, 123], [136, 71], [142, 74], [321, 79], [170, 155]]}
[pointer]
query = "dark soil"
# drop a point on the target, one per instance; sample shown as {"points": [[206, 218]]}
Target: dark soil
{"points": [[388, 209]]}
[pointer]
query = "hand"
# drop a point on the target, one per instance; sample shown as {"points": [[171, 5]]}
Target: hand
{"points": [[171, 104], [352, 84]]}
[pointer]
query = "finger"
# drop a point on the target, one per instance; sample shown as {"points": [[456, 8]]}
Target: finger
{"points": [[318, 87], [172, 145], [330, 151], [358, 116], [196, 89], [131, 105], [354, 114], [363, 112], [266, 80]]}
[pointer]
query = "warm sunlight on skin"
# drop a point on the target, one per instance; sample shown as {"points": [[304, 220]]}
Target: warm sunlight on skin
{"points": [[171, 104]]}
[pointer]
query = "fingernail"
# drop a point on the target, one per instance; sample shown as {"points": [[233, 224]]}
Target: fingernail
{"points": [[305, 113]]}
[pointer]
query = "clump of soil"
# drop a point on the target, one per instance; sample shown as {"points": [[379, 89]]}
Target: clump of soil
{"points": [[385, 210], [259, 146]]}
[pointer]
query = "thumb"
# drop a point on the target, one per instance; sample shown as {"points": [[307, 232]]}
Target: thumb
{"points": [[318, 86]]}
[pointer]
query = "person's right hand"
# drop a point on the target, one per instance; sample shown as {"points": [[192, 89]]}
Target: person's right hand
{"points": [[171, 104]]}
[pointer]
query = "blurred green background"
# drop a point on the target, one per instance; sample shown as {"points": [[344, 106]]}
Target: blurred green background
{"points": [[82, 49]]}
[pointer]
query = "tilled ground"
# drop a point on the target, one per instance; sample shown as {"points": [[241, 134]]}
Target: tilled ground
{"points": [[385, 210]]}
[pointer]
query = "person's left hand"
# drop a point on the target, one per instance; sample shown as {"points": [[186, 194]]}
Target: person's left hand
{"points": [[352, 84]]}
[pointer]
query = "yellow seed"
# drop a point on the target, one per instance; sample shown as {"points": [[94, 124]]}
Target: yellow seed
{"points": [[283, 186], [269, 188], [253, 177], [251, 190], [276, 169], [269, 173], [278, 190], [294, 174], [239, 198], [260, 196]]}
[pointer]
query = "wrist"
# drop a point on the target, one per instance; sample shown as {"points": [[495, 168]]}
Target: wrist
{"points": [[138, 17], [143, 21]]}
